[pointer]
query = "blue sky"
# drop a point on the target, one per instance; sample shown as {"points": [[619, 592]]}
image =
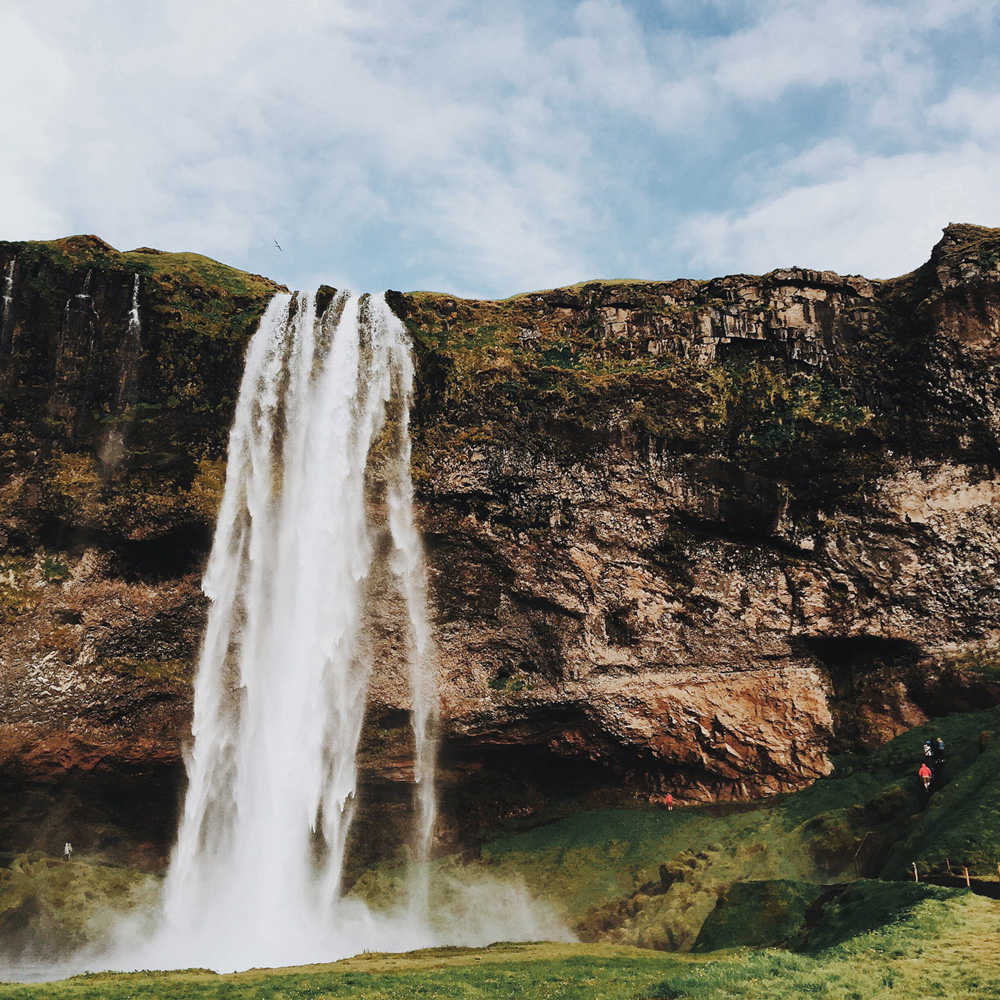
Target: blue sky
{"points": [[490, 148]]}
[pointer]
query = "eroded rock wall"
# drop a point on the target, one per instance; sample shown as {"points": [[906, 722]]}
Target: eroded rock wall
{"points": [[683, 536]]}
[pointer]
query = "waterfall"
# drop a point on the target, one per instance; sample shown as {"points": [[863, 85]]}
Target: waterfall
{"points": [[134, 325], [316, 525], [8, 290], [281, 686], [113, 447]]}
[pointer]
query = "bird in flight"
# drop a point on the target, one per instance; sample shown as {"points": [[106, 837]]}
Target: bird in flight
{"points": [[278, 245]]}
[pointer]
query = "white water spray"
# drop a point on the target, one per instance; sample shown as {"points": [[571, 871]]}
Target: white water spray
{"points": [[281, 687]]}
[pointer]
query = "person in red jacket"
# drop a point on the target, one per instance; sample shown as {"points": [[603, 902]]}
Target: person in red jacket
{"points": [[670, 802], [925, 775]]}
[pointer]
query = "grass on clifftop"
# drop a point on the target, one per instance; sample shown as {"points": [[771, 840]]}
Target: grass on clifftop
{"points": [[202, 273]]}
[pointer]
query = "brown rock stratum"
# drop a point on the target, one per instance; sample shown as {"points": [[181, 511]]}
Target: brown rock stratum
{"points": [[685, 536]]}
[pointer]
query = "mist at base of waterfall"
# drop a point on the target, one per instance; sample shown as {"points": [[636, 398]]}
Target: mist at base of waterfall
{"points": [[465, 908]]}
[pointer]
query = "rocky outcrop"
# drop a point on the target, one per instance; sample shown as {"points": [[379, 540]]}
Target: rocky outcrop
{"points": [[685, 536]]}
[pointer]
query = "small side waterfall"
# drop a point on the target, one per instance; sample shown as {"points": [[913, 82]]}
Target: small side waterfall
{"points": [[134, 324], [282, 681], [8, 289], [113, 448]]}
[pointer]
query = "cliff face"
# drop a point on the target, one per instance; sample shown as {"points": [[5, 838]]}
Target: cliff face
{"points": [[684, 536], [118, 375]]}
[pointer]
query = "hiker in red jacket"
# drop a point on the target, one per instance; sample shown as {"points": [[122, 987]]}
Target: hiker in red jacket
{"points": [[925, 776], [670, 802]]}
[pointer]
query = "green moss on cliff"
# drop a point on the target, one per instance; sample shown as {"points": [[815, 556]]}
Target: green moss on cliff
{"points": [[111, 431], [560, 373], [50, 908]]}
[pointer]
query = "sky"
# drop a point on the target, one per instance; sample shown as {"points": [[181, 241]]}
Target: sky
{"points": [[488, 148]]}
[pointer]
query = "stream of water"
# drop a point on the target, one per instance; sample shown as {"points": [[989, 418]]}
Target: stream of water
{"points": [[281, 687], [8, 290]]}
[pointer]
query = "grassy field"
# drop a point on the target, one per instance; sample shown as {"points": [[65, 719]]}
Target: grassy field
{"points": [[946, 946]]}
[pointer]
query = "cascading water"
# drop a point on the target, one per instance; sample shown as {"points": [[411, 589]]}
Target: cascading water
{"points": [[113, 447], [281, 689], [281, 686], [134, 324], [8, 289]]}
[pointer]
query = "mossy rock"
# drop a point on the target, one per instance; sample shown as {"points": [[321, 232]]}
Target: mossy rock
{"points": [[757, 915], [50, 908], [866, 905]]}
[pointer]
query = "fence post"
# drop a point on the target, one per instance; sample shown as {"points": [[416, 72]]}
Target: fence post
{"points": [[947, 862], [965, 872], [916, 877]]}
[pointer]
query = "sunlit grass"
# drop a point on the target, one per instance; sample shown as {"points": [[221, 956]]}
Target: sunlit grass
{"points": [[942, 947]]}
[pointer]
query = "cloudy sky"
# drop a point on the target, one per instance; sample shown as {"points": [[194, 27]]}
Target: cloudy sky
{"points": [[486, 148]]}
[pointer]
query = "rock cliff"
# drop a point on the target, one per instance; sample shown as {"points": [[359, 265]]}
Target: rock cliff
{"points": [[687, 536]]}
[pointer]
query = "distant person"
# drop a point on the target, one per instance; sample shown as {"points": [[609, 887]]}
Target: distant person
{"points": [[925, 774], [670, 802], [928, 750], [68, 852], [938, 748]]}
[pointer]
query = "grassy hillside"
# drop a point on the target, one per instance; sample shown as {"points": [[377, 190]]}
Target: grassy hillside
{"points": [[650, 878], [945, 947]]}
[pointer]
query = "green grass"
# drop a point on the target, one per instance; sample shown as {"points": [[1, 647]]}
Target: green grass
{"points": [[866, 906], [757, 914], [543, 971], [945, 945], [600, 869]]}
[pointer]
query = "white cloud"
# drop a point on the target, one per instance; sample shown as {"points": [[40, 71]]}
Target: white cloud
{"points": [[492, 146], [879, 217], [35, 83], [970, 112]]}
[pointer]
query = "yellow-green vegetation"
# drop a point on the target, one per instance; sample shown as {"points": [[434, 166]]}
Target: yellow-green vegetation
{"points": [[560, 370], [945, 947], [50, 907], [136, 503], [155, 670], [650, 878], [17, 590], [110, 431]]}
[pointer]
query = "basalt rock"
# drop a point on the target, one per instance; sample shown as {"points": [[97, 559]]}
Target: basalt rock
{"points": [[682, 536]]}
